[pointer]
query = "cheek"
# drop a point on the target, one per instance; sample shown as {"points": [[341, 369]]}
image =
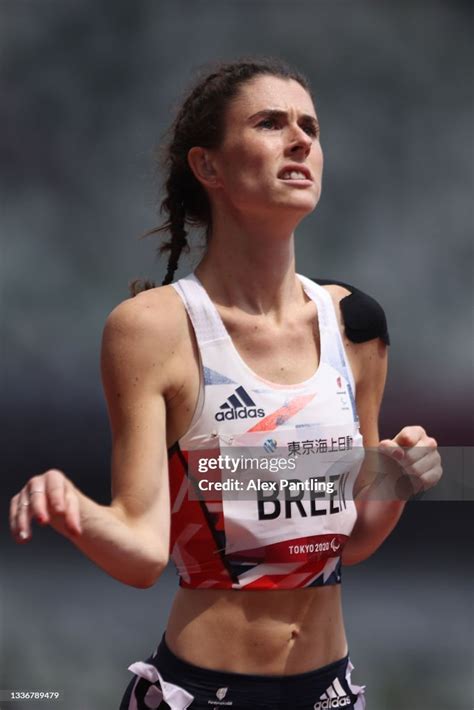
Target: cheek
{"points": [[247, 164], [321, 158], [245, 176], [318, 155]]}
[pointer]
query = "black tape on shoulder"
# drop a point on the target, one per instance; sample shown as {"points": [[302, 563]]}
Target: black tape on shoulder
{"points": [[364, 317]]}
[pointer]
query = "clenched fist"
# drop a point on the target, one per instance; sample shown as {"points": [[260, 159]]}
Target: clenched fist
{"points": [[417, 454]]}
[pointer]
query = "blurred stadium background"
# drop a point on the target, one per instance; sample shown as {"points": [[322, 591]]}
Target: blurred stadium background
{"points": [[87, 89]]}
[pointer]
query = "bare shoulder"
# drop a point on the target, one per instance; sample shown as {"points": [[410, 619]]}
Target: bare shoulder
{"points": [[157, 311], [337, 292], [143, 333]]}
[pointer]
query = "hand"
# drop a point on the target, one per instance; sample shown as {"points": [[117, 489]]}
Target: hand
{"points": [[50, 499], [417, 454]]}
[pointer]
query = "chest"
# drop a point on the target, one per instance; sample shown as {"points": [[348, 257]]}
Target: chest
{"points": [[286, 353]]}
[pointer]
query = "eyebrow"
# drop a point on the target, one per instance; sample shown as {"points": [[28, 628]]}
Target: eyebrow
{"points": [[278, 113]]}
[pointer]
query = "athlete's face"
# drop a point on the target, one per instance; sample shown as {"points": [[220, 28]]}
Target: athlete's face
{"points": [[271, 158]]}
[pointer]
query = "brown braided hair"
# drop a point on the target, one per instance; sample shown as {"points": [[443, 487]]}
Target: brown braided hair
{"points": [[200, 122]]}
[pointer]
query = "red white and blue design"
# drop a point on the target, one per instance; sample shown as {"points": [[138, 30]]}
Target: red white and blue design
{"points": [[262, 539]]}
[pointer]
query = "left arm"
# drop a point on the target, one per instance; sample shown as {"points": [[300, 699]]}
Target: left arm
{"points": [[412, 455], [375, 518], [409, 462]]}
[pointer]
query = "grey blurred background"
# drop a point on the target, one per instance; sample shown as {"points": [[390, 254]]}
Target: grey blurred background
{"points": [[87, 90]]}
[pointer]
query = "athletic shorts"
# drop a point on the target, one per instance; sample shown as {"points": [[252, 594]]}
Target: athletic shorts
{"points": [[165, 681]]}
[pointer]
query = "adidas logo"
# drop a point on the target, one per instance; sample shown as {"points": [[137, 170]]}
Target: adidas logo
{"points": [[333, 697], [239, 405]]}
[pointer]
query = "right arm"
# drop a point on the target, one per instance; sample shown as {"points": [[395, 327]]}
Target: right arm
{"points": [[128, 539]]}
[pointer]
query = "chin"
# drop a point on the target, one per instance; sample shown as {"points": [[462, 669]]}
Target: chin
{"points": [[300, 203], [305, 204]]}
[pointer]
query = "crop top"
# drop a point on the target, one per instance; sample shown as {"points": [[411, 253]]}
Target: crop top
{"points": [[261, 483]]}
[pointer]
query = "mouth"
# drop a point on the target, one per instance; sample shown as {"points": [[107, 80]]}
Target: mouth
{"points": [[296, 174]]}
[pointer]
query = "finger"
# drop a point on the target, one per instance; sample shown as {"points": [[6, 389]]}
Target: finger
{"points": [[389, 447], [23, 523], [73, 518], [36, 487], [410, 436], [13, 514], [55, 491], [420, 458], [431, 477]]}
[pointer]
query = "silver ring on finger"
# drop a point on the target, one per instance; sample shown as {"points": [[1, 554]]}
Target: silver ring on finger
{"points": [[35, 490]]}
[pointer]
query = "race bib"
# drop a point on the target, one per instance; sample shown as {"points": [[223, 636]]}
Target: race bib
{"points": [[289, 489]]}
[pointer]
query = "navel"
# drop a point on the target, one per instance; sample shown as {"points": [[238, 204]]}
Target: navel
{"points": [[294, 634]]}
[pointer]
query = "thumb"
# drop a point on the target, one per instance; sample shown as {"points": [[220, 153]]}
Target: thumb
{"points": [[391, 448]]}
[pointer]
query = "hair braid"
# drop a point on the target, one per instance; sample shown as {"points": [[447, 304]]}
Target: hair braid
{"points": [[177, 243]]}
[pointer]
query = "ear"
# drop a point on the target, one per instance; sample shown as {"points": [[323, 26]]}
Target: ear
{"points": [[201, 163]]}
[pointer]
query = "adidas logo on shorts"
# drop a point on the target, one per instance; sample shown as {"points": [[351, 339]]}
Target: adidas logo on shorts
{"points": [[239, 405], [333, 697]]}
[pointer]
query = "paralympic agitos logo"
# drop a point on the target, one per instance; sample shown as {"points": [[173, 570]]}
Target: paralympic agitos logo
{"points": [[239, 405]]}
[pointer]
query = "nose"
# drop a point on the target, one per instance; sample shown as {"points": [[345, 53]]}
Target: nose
{"points": [[299, 142]]}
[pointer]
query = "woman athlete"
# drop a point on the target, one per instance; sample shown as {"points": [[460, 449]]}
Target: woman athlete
{"points": [[244, 354]]}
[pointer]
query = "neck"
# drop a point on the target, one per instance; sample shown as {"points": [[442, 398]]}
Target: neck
{"points": [[252, 266]]}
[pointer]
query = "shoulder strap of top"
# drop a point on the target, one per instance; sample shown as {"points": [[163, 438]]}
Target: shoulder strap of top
{"points": [[206, 321], [335, 352]]}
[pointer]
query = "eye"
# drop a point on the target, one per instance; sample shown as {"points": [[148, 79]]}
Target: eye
{"points": [[268, 123], [312, 129]]}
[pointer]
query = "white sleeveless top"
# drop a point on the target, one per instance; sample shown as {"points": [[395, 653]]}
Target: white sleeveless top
{"points": [[261, 483]]}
